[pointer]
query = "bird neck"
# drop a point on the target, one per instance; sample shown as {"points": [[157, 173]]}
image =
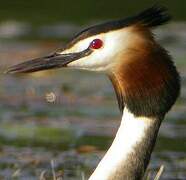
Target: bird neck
{"points": [[147, 84], [130, 152]]}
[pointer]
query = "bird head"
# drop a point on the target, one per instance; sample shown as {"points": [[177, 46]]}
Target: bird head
{"points": [[101, 47]]}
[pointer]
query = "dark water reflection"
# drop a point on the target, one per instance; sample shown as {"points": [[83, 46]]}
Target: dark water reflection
{"points": [[46, 12]]}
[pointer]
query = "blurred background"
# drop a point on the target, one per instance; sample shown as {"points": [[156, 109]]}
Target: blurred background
{"points": [[61, 120]]}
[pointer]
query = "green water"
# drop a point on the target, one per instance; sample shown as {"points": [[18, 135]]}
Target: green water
{"points": [[46, 11]]}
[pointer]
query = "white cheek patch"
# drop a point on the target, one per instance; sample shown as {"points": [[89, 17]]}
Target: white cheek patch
{"points": [[100, 59]]}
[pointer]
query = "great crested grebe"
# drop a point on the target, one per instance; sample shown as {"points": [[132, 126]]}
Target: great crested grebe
{"points": [[144, 77]]}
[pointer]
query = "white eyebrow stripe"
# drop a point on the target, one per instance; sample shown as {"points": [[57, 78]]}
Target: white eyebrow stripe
{"points": [[82, 44]]}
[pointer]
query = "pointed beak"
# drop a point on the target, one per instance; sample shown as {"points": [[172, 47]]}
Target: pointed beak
{"points": [[55, 60]]}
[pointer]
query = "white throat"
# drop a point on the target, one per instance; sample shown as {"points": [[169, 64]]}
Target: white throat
{"points": [[130, 133]]}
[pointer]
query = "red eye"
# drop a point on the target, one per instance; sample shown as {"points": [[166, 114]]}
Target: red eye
{"points": [[96, 44]]}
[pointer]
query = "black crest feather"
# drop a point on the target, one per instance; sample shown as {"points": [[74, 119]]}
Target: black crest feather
{"points": [[153, 16]]}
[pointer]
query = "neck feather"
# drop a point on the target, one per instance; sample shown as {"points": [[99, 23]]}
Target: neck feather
{"points": [[130, 151], [148, 83]]}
